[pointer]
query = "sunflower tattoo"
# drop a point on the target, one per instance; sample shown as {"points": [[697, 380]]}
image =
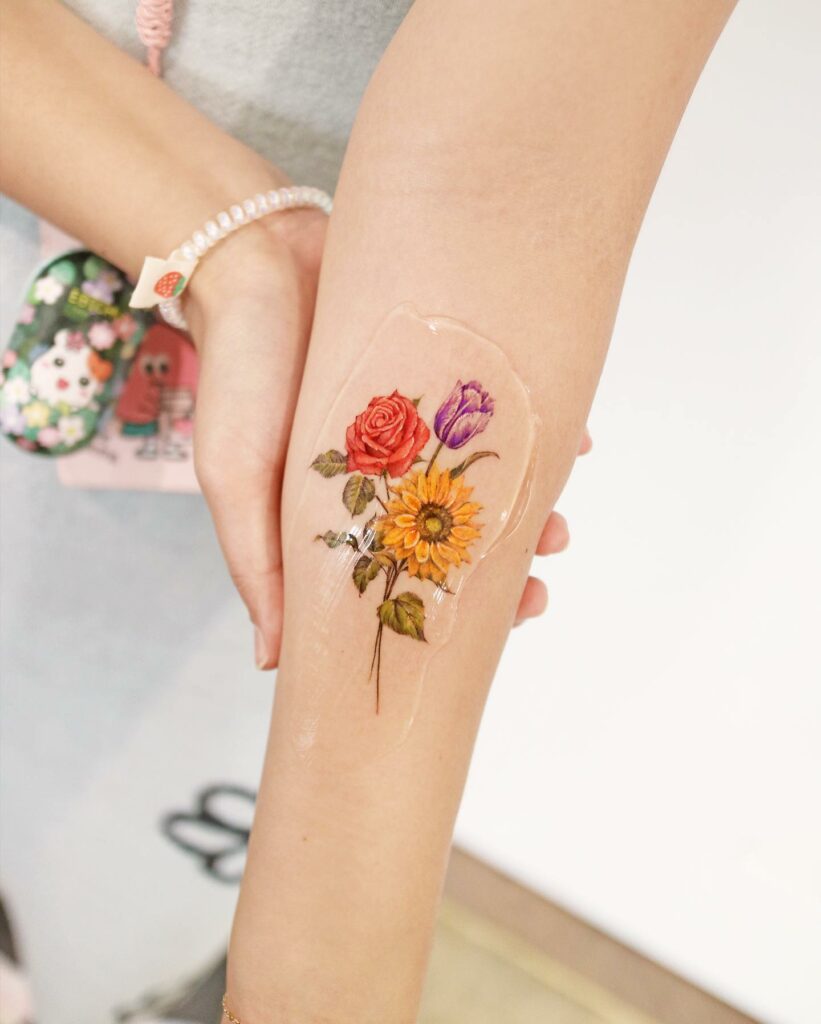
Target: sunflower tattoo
{"points": [[427, 522]]}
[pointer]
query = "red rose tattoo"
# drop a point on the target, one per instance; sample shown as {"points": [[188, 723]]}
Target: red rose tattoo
{"points": [[386, 437]]}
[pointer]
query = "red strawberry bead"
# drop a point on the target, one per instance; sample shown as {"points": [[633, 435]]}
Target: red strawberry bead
{"points": [[170, 284]]}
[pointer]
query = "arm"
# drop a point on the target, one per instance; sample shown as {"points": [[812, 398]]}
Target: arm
{"points": [[99, 146], [498, 173]]}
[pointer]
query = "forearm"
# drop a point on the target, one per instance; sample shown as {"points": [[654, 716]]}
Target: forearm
{"points": [[99, 146], [498, 173]]}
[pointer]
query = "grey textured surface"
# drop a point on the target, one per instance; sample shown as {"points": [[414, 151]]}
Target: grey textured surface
{"points": [[286, 76]]}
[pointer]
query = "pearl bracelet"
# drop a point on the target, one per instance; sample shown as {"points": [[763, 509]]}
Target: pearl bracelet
{"points": [[162, 282]]}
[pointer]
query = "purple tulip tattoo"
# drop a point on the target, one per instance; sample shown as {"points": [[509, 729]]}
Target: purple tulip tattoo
{"points": [[464, 414]]}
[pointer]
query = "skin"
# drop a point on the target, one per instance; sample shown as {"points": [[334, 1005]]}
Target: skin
{"points": [[498, 172]]}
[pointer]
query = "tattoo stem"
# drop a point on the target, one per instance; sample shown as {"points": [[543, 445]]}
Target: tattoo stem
{"points": [[392, 576], [433, 457], [378, 663]]}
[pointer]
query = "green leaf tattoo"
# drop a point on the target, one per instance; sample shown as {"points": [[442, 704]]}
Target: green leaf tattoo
{"points": [[468, 462], [365, 570], [335, 540], [404, 614], [358, 494], [330, 463]]}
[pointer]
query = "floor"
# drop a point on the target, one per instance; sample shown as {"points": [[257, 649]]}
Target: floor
{"points": [[483, 974]]}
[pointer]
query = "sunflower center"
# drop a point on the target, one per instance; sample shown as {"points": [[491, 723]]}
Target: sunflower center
{"points": [[434, 522]]}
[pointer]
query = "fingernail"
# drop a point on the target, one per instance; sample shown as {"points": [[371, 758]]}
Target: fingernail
{"points": [[260, 653]]}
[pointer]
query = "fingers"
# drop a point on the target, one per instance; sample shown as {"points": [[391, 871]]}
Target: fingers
{"points": [[533, 601], [244, 504], [249, 377], [555, 536]]}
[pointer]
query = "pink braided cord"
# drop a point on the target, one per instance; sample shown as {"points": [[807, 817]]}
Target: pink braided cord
{"points": [[154, 27]]}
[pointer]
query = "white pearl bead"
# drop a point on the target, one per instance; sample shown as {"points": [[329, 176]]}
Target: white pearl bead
{"points": [[172, 313], [235, 217]]}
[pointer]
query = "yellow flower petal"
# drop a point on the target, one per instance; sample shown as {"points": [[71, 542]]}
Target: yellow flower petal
{"points": [[451, 554], [443, 491], [466, 511], [422, 551], [438, 558], [459, 497], [464, 533], [405, 520]]}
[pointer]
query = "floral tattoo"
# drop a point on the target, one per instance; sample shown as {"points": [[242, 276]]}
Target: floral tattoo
{"points": [[425, 524]]}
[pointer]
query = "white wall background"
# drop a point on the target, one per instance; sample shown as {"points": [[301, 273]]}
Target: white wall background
{"points": [[651, 756]]}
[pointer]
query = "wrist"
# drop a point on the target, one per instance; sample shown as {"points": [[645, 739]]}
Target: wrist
{"points": [[274, 259]]}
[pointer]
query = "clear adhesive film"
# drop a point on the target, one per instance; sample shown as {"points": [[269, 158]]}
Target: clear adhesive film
{"points": [[421, 467]]}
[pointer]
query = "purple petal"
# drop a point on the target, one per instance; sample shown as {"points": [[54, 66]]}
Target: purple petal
{"points": [[463, 414], [466, 428], [447, 412]]}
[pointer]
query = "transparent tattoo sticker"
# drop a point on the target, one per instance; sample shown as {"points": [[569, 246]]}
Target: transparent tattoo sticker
{"points": [[421, 466]]}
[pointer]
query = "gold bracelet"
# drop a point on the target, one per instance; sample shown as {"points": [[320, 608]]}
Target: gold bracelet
{"points": [[227, 1012]]}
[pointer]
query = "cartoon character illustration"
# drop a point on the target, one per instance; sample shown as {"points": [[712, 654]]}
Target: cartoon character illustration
{"points": [[70, 373], [157, 402], [68, 353]]}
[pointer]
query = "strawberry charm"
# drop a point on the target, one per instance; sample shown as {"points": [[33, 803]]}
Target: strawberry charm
{"points": [[170, 284]]}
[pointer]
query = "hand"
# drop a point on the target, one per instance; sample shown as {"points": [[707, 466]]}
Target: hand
{"points": [[554, 539], [250, 308]]}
